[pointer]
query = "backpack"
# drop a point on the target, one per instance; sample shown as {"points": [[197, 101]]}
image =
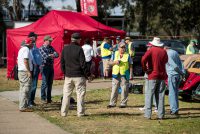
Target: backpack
{"points": [[14, 73]]}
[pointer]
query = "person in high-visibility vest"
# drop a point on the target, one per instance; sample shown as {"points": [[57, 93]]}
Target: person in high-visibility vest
{"points": [[106, 51], [191, 48], [121, 62], [131, 51]]}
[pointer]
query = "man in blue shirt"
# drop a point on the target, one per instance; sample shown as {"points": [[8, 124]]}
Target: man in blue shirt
{"points": [[174, 69], [37, 61]]}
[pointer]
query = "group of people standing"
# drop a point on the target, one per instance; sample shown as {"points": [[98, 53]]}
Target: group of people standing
{"points": [[31, 61], [160, 63]]}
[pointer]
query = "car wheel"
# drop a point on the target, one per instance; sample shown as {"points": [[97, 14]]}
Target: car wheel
{"points": [[137, 70]]}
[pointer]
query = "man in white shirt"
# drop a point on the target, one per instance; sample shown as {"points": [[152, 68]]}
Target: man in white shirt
{"points": [[25, 67], [88, 52]]}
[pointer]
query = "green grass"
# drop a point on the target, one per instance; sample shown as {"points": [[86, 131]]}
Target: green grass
{"points": [[122, 121], [10, 85]]}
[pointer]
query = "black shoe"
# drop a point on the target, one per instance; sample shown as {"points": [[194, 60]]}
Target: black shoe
{"points": [[110, 106], [49, 101], [176, 113], [122, 106]]}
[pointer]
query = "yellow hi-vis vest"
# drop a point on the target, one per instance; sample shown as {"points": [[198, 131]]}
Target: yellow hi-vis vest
{"points": [[130, 51], [188, 50], [123, 66], [104, 52]]}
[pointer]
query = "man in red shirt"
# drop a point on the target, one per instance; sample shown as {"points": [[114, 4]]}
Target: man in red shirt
{"points": [[156, 58]]}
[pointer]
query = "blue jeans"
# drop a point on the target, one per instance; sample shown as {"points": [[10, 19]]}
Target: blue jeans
{"points": [[47, 81], [157, 88], [36, 71], [173, 84]]}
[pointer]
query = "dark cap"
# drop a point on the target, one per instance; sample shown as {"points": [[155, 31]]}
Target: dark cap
{"points": [[76, 36], [32, 34], [48, 37]]}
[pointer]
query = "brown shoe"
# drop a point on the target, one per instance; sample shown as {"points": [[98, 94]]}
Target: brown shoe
{"points": [[26, 110]]}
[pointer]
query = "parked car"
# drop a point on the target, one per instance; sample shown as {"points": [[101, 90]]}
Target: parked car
{"points": [[190, 88], [140, 49]]}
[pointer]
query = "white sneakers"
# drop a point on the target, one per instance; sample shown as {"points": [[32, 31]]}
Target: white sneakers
{"points": [[143, 108]]}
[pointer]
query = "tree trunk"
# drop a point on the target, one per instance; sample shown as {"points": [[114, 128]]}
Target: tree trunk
{"points": [[78, 6]]}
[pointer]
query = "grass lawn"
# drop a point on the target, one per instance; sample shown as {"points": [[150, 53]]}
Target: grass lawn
{"points": [[101, 120], [9, 85]]}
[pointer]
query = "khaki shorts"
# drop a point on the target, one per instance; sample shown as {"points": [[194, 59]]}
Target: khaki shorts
{"points": [[106, 66]]}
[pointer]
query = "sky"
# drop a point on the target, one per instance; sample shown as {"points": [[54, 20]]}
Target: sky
{"points": [[57, 4]]}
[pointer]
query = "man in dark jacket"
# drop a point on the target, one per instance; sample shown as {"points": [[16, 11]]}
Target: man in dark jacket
{"points": [[73, 65]]}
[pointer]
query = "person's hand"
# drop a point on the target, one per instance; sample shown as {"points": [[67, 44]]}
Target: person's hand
{"points": [[51, 55], [29, 74], [117, 62], [91, 77]]}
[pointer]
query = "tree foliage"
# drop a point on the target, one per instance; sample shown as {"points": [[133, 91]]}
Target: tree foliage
{"points": [[149, 17]]}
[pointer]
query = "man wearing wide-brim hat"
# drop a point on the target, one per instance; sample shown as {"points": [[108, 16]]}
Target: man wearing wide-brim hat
{"points": [[156, 58]]}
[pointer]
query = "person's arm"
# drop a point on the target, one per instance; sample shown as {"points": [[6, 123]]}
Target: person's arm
{"points": [[54, 54], [111, 62], [83, 64], [62, 62], [26, 63], [145, 59], [44, 55], [130, 67], [92, 52]]}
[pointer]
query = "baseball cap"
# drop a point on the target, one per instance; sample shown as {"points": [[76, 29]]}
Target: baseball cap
{"points": [[121, 44], [27, 41], [48, 38], [128, 38], [76, 36], [32, 34]]}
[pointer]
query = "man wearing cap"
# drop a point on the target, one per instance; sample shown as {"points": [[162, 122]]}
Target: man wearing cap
{"points": [[155, 58], [131, 51], [115, 47], [106, 51], [121, 62], [37, 61], [25, 67], [191, 48], [48, 55], [74, 67], [174, 68]]}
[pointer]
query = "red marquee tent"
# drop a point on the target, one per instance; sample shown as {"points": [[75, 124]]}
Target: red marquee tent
{"points": [[60, 25]]}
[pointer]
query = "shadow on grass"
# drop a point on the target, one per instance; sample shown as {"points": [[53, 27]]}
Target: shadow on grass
{"points": [[186, 109], [96, 101], [189, 100], [116, 114]]}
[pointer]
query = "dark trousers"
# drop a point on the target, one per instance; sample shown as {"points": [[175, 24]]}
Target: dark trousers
{"points": [[88, 65], [47, 81], [35, 73]]}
